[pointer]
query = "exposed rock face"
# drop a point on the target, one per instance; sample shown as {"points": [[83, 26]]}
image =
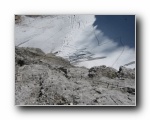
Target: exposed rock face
{"points": [[103, 71], [45, 79], [126, 72]]}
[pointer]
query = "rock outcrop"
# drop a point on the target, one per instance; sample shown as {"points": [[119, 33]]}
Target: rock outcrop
{"points": [[103, 71], [46, 79]]}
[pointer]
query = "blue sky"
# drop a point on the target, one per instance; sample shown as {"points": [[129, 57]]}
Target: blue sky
{"points": [[117, 26], [113, 37]]}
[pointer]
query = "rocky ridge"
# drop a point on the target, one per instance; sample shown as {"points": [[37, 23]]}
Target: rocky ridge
{"points": [[46, 79]]}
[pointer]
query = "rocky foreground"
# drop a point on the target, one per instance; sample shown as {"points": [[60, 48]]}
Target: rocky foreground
{"points": [[46, 79]]}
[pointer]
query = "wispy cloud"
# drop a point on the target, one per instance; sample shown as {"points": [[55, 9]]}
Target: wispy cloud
{"points": [[72, 35], [100, 45]]}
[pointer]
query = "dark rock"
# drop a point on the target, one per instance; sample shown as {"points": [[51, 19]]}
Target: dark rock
{"points": [[126, 72], [63, 70], [129, 90], [103, 71], [21, 62]]}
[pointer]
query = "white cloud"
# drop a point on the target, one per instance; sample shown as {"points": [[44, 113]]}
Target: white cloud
{"points": [[70, 33]]}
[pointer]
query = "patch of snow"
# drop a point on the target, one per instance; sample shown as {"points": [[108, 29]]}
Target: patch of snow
{"points": [[71, 35]]}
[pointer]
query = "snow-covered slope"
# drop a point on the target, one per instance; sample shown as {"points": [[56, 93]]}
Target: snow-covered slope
{"points": [[73, 37]]}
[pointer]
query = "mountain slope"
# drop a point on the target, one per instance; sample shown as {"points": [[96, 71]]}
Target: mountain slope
{"points": [[45, 79]]}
